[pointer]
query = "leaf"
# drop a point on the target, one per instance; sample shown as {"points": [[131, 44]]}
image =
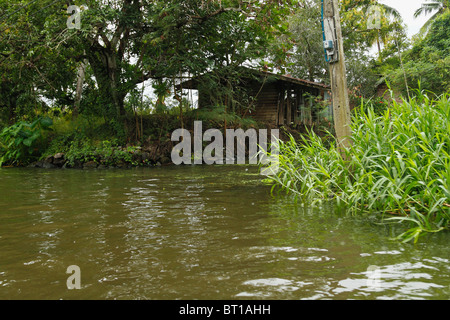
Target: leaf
{"points": [[18, 141], [46, 122], [28, 142], [33, 124]]}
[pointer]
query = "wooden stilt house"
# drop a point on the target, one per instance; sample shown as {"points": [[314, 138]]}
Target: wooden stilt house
{"points": [[276, 99]]}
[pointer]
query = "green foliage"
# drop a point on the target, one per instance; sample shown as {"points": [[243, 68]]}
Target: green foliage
{"points": [[87, 139], [361, 76], [428, 61], [84, 127], [123, 44], [32, 64], [18, 142], [305, 53], [219, 117], [106, 152], [377, 105], [435, 7], [398, 166], [81, 136]]}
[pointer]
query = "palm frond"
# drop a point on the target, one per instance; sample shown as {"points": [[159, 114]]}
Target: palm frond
{"points": [[427, 8], [440, 6], [429, 22], [390, 11]]}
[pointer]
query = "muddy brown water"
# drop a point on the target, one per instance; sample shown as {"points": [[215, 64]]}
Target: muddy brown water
{"points": [[198, 232]]}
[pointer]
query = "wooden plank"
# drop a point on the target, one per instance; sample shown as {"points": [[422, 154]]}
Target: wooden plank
{"points": [[281, 109], [297, 106], [278, 107], [288, 106]]}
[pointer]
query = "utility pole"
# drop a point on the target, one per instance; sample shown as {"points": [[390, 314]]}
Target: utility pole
{"points": [[334, 54]]}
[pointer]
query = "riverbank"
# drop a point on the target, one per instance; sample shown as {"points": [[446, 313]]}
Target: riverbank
{"points": [[86, 144], [129, 157], [107, 156]]}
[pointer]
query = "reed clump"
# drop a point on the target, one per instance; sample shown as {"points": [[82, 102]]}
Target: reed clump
{"points": [[398, 166]]}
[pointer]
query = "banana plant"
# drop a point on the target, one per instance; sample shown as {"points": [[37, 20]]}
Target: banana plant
{"points": [[17, 142]]}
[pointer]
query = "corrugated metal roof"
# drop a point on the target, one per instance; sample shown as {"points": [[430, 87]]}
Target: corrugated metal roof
{"points": [[289, 78], [193, 83]]}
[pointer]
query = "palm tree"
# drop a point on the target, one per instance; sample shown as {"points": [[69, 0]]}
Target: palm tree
{"points": [[389, 12], [436, 6]]}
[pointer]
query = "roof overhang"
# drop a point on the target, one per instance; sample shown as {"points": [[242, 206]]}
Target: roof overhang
{"points": [[194, 82]]}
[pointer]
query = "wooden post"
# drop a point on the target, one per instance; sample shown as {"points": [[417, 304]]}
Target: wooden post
{"points": [[281, 104], [339, 88], [289, 106], [297, 106], [302, 108]]}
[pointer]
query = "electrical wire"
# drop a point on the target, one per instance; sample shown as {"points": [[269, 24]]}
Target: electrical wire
{"points": [[29, 16], [34, 13], [8, 15]]}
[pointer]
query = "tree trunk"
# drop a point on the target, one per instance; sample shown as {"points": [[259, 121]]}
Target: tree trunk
{"points": [[12, 116], [12, 106], [106, 70], [80, 82], [378, 44]]}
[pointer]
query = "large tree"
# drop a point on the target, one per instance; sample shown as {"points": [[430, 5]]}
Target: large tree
{"points": [[127, 42], [307, 55], [33, 63], [130, 41]]}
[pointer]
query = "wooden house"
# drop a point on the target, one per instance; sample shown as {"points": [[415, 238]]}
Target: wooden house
{"points": [[276, 99]]}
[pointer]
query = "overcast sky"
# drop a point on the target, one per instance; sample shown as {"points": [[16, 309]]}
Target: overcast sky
{"points": [[407, 9]]}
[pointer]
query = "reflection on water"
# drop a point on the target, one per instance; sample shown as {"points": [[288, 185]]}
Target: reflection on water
{"points": [[197, 233]]}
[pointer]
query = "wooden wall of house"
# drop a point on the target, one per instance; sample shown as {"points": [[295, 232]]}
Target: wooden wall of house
{"points": [[283, 103], [278, 103], [204, 99], [266, 106]]}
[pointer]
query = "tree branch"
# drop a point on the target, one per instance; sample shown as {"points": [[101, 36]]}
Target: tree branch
{"points": [[105, 39], [201, 19]]}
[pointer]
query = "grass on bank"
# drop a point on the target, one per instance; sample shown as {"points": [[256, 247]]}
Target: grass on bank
{"points": [[398, 166]]}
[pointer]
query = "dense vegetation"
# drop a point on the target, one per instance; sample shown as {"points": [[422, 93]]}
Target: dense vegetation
{"points": [[398, 166], [94, 82], [127, 49]]}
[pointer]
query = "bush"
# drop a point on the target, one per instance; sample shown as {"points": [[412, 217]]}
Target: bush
{"points": [[19, 143], [218, 116], [398, 166], [109, 153]]}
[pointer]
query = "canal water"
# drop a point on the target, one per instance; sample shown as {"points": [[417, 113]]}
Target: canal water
{"points": [[198, 232]]}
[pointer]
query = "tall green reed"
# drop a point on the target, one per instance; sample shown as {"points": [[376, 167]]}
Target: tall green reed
{"points": [[398, 167]]}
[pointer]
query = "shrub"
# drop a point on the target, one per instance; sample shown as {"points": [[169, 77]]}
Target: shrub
{"points": [[19, 142]]}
